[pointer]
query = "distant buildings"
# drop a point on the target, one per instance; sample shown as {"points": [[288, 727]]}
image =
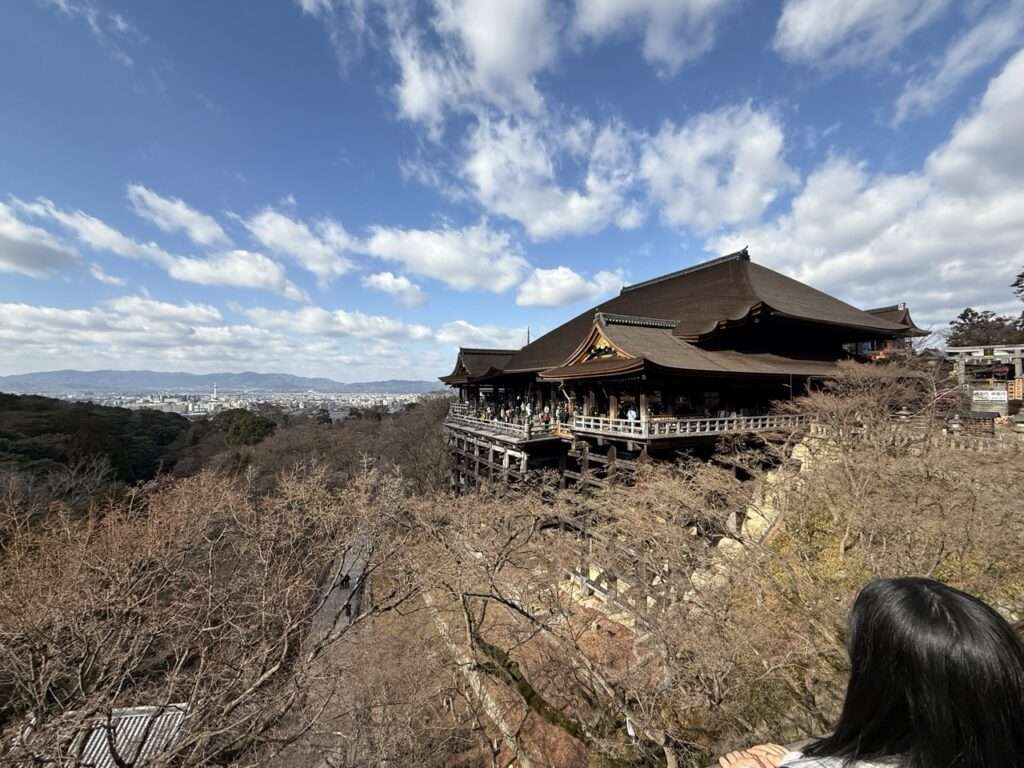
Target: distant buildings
{"points": [[338, 405], [991, 375]]}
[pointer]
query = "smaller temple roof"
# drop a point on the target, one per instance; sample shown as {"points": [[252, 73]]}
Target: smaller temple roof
{"points": [[621, 344], [899, 314], [475, 364]]}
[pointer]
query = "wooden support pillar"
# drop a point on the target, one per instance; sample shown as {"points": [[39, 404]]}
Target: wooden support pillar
{"points": [[584, 460], [613, 406], [522, 465], [643, 587], [585, 577], [612, 455], [505, 465], [562, 460]]}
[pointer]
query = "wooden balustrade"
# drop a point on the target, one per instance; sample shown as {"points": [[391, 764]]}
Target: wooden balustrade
{"points": [[524, 431], [639, 429], [604, 424], [659, 428]]}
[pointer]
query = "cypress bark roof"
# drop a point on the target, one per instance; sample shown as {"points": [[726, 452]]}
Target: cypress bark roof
{"points": [[640, 343], [477, 363], [899, 314], [704, 299]]}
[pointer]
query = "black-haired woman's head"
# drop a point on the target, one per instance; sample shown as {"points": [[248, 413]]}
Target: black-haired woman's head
{"points": [[936, 680]]}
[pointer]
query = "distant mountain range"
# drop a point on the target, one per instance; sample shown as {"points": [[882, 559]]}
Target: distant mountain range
{"points": [[55, 382]]}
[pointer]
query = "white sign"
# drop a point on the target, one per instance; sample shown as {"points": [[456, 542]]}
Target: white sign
{"points": [[990, 396]]}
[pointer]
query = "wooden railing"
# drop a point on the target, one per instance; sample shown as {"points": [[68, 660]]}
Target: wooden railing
{"points": [[767, 423], [604, 424], [525, 431], [461, 409], [646, 429], [664, 428]]}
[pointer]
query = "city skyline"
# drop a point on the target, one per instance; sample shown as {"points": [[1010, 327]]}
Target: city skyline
{"points": [[354, 189]]}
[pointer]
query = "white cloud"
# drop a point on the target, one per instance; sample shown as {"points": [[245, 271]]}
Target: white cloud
{"points": [[172, 214], [333, 323], [140, 332], [471, 258], [137, 332], [721, 167], [315, 7], [985, 42], [511, 168], [240, 268], [322, 251], [837, 33], [561, 285], [110, 30], [95, 233], [947, 237], [399, 286], [150, 309], [427, 81], [674, 31], [99, 274], [460, 333], [487, 52], [244, 269], [505, 42], [29, 250]]}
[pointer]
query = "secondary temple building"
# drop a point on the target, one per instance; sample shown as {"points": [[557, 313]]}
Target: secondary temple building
{"points": [[664, 365]]}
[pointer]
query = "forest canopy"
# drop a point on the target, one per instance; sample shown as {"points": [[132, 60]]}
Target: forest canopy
{"points": [[39, 434]]}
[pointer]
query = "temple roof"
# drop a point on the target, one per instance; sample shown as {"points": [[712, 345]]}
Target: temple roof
{"points": [[632, 344], [703, 299], [899, 314], [473, 364]]}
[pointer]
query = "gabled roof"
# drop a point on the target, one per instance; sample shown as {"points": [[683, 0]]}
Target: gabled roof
{"points": [[899, 314], [475, 364], [640, 343], [702, 300]]}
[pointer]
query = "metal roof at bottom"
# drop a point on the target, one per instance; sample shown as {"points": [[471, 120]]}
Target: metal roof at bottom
{"points": [[139, 735]]}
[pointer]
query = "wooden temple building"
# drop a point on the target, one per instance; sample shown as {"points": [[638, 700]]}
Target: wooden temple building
{"points": [[666, 364]]}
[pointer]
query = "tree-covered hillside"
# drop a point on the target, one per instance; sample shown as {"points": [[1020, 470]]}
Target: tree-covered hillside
{"points": [[39, 433]]}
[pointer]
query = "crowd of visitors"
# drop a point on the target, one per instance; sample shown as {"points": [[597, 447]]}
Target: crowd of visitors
{"points": [[521, 412]]}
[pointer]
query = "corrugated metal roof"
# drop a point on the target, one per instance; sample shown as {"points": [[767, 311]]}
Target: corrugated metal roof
{"points": [[139, 734]]}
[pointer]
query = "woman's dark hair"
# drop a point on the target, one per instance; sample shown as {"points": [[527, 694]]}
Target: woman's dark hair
{"points": [[936, 681]]}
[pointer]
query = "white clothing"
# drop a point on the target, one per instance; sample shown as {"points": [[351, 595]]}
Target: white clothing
{"points": [[797, 760]]}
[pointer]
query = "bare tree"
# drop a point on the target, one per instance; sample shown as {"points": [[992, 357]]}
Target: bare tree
{"points": [[198, 593], [711, 604]]}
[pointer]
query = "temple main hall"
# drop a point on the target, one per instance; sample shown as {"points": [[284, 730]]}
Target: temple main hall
{"points": [[666, 365]]}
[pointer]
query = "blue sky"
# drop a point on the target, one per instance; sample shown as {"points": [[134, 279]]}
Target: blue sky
{"points": [[354, 188]]}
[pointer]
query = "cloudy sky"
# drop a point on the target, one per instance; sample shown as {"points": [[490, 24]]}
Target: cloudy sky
{"points": [[353, 188]]}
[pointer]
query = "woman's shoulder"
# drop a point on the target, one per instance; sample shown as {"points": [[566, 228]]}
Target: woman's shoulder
{"points": [[797, 760]]}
